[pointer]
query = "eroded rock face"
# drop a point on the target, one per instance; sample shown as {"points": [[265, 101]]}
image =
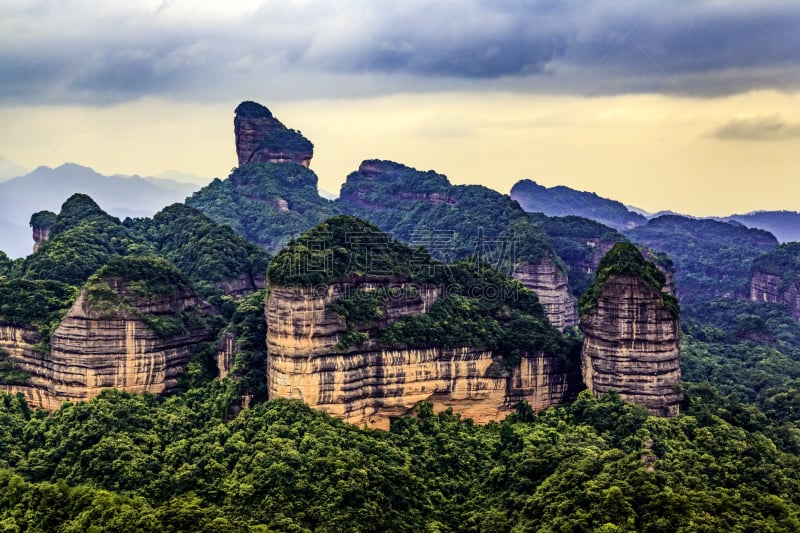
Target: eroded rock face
{"points": [[550, 285], [766, 287], [631, 346], [262, 138], [243, 285], [368, 384], [39, 236], [227, 348], [91, 351], [42, 224]]}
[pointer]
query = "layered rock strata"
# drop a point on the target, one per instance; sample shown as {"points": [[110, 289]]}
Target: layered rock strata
{"points": [[631, 346], [243, 285], [549, 282], [227, 348], [765, 287], [262, 138], [91, 351], [369, 384], [42, 224]]}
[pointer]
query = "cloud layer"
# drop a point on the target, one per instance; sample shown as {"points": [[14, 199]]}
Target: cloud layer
{"points": [[76, 52], [760, 128]]}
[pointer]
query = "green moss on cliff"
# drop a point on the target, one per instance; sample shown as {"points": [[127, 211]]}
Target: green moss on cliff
{"points": [[119, 287], [484, 309], [144, 276], [286, 140], [625, 259], [10, 372]]}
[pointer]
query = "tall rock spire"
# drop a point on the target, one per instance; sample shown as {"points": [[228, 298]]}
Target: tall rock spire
{"points": [[631, 333], [262, 138]]}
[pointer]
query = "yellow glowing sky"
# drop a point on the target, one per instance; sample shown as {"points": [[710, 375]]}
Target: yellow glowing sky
{"points": [[655, 152]]}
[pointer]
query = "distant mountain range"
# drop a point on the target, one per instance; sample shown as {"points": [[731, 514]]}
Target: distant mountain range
{"points": [[9, 169], [47, 188], [785, 225], [563, 201]]}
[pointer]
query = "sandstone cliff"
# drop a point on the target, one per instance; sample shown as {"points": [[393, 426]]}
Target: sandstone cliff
{"points": [[369, 383], [243, 285], [262, 138], [765, 287], [776, 278], [631, 333], [139, 344], [42, 224], [550, 284]]}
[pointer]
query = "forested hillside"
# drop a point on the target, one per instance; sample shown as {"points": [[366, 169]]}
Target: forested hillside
{"points": [[128, 463], [712, 259]]}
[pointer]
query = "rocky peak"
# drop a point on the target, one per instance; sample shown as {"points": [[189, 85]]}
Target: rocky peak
{"points": [[42, 224], [262, 138], [631, 333]]}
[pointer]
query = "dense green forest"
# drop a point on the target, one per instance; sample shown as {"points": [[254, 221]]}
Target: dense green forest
{"points": [[421, 208], [267, 203], [186, 463]]}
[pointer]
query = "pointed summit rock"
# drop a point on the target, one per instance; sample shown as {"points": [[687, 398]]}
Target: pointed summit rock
{"points": [[262, 138]]}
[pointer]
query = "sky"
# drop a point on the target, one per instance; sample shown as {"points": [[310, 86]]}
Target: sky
{"points": [[692, 106]]}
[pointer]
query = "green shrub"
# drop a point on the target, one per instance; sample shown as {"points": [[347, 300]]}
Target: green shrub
{"points": [[625, 259]]}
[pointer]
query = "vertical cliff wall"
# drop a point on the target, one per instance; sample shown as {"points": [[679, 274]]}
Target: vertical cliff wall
{"points": [[550, 285], [631, 333], [262, 138], [765, 287], [41, 223], [94, 349], [368, 384], [775, 278]]}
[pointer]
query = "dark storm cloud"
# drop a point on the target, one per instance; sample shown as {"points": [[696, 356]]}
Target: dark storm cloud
{"points": [[761, 128], [75, 51]]}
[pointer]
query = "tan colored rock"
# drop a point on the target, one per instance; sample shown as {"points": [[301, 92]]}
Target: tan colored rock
{"points": [[91, 351], [243, 285], [631, 346], [227, 348], [549, 283], [369, 384], [768, 288], [39, 236]]}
